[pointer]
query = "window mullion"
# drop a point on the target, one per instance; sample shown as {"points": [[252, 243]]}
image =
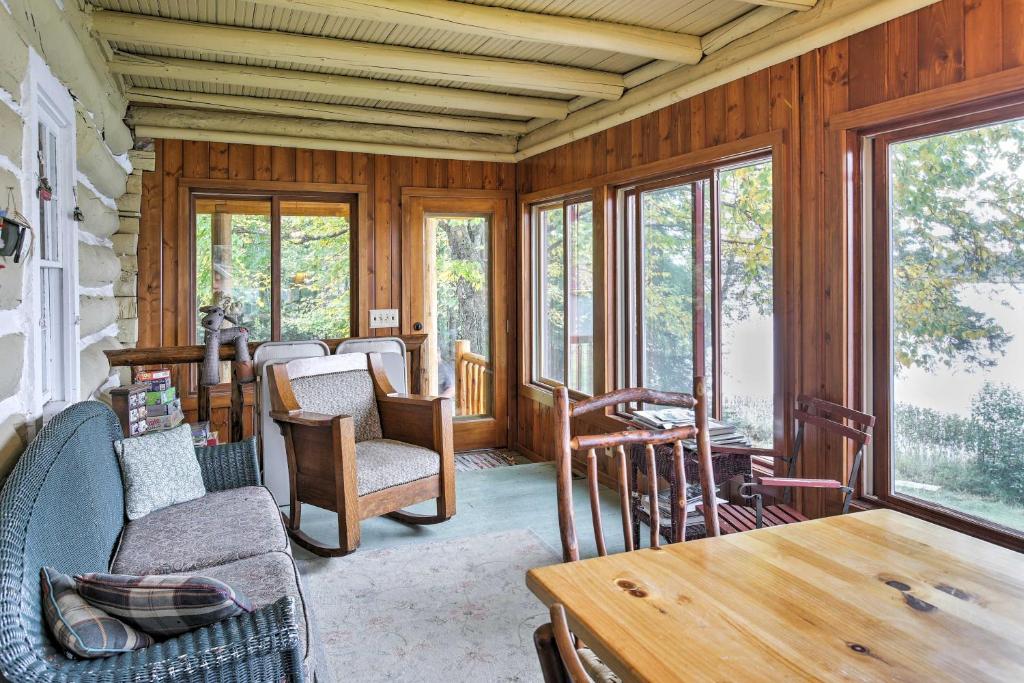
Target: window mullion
{"points": [[275, 268], [716, 298], [566, 299]]}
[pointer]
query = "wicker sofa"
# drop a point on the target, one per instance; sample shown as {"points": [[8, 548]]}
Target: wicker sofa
{"points": [[63, 506]]}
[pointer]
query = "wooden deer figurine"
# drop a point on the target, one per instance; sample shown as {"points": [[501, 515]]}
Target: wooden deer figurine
{"points": [[214, 336]]}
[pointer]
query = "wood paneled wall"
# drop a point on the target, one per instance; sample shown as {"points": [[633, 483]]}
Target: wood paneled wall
{"points": [[162, 296], [164, 238], [945, 43]]}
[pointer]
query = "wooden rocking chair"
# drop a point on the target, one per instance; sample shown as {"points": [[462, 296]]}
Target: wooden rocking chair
{"points": [[358, 448], [823, 414]]}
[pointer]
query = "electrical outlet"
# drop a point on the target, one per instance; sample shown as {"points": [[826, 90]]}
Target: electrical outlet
{"points": [[383, 317]]}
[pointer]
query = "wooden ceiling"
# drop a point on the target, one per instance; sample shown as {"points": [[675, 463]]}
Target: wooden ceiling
{"points": [[475, 79]]}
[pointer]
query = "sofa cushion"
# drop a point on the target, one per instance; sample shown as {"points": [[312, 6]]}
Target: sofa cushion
{"points": [[217, 528], [163, 605], [383, 463], [81, 629], [264, 580], [159, 469]]}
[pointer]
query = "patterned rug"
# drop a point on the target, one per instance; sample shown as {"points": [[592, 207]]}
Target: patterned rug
{"points": [[484, 459], [455, 610]]}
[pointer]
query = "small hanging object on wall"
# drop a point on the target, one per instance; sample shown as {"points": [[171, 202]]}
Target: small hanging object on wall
{"points": [[77, 215], [13, 228], [44, 190]]}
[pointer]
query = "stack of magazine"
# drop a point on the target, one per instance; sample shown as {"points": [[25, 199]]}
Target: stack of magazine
{"points": [[720, 433]]}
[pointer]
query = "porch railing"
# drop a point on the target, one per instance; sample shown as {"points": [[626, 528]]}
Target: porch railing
{"points": [[473, 377]]}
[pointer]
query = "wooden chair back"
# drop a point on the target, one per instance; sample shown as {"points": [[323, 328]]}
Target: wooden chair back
{"points": [[616, 442], [838, 420]]}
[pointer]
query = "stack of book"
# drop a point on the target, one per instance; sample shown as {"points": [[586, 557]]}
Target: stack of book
{"points": [[201, 434], [163, 407], [720, 433]]}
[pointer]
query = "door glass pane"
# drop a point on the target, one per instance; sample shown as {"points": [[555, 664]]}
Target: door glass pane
{"points": [[315, 270], [667, 284], [581, 294], [233, 261], [957, 255], [462, 306], [551, 285], [745, 225]]}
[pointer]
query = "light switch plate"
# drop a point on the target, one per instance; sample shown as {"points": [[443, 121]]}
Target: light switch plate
{"points": [[383, 317]]}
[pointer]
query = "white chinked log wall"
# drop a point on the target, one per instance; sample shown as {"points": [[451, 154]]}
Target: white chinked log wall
{"points": [[107, 189]]}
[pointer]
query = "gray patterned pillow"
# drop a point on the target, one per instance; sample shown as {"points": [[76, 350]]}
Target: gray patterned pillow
{"points": [[159, 469]]}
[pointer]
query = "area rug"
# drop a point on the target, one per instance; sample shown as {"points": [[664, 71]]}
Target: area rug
{"points": [[484, 459], [455, 610]]}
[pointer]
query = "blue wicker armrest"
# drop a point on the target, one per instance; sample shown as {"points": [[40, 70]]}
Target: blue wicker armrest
{"points": [[229, 466], [261, 646]]}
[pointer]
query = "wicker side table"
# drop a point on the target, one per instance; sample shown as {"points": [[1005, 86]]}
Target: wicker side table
{"points": [[723, 467]]}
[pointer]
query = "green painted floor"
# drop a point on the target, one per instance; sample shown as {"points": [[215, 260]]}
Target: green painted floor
{"points": [[487, 501]]}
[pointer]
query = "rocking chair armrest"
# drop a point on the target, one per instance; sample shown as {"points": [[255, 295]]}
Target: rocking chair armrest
{"points": [[304, 418], [783, 482], [421, 420], [409, 398]]}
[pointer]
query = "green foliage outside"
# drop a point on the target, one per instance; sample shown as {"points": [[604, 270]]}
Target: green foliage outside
{"points": [[957, 211], [462, 247], [315, 278]]}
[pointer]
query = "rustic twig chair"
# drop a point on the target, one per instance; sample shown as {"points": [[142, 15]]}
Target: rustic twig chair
{"points": [[562, 657], [830, 417], [358, 448], [617, 441]]}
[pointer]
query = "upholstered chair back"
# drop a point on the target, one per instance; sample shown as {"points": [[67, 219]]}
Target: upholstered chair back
{"points": [[62, 507], [338, 385]]}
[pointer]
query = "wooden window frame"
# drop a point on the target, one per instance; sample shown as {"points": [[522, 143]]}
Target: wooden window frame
{"points": [[275, 196], [629, 364], [536, 275], [877, 291]]}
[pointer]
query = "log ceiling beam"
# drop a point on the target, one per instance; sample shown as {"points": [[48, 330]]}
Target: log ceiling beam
{"points": [[284, 140], [794, 5], [740, 27], [308, 82], [510, 24], [317, 110], [791, 36], [211, 40], [239, 122]]}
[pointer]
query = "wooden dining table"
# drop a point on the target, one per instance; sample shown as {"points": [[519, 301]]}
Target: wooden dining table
{"points": [[869, 596]]}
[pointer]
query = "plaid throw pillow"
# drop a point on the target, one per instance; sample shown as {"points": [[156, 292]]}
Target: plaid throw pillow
{"points": [[81, 629], [162, 605]]}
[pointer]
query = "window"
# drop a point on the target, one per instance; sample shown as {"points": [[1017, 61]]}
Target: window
{"points": [[948, 348], [280, 264], [50, 181], [563, 307], [696, 255]]}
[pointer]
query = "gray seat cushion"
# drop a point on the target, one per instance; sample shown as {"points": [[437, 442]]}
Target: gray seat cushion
{"points": [[342, 393], [219, 527], [265, 579], [383, 463]]}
